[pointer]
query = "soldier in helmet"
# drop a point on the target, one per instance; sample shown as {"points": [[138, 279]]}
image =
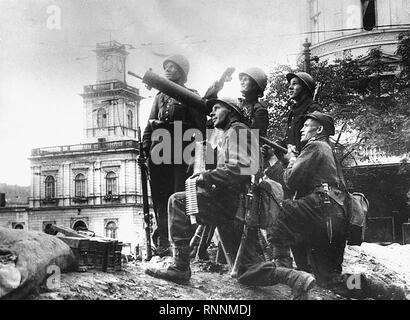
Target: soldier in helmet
{"points": [[301, 90], [218, 200], [253, 83], [317, 214], [167, 179]]}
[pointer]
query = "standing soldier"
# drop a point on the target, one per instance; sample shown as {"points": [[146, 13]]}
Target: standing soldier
{"points": [[167, 179], [301, 90], [253, 83]]}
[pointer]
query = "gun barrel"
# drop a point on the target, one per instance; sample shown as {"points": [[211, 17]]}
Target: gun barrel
{"points": [[175, 91], [134, 75], [272, 144]]}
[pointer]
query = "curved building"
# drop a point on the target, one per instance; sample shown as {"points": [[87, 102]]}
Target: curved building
{"points": [[338, 28]]}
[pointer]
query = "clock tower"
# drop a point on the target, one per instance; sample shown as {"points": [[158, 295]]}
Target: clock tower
{"points": [[111, 106], [111, 58]]}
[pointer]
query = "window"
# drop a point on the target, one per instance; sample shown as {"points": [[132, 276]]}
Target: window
{"points": [[369, 14], [101, 118], [18, 225], [130, 119], [111, 183], [79, 185], [111, 230], [50, 187], [80, 226]]}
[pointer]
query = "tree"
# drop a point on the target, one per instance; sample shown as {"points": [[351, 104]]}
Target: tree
{"points": [[365, 95]]}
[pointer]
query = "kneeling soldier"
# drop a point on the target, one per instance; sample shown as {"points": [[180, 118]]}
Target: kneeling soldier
{"points": [[318, 213], [218, 196]]}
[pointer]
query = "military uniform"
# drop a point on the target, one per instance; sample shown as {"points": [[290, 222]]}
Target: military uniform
{"points": [[319, 225], [225, 183], [167, 179], [296, 119], [257, 114]]}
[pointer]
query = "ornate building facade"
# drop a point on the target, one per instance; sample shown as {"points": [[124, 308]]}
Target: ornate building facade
{"points": [[94, 185], [352, 27]]}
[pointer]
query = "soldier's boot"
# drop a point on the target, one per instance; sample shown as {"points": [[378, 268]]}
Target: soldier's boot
{"points": [[281, 256], [300, 282], [179, 271], [163, 247]]}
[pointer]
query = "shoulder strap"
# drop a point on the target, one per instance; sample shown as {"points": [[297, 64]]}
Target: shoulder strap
{"points": [[339, 172]]}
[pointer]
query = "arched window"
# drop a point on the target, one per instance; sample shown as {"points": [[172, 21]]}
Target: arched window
{"points": [[79, 185], [369, 14], [111, 230], [130, 119], [80, 226], [111, 183], [101, 118], [50, 187]]}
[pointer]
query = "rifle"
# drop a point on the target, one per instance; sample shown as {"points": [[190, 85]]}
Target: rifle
{"points": [[147, 216]]}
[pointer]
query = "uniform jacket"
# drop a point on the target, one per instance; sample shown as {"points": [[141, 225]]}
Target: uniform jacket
{"points": [[296, 120], [257, 113], [168, 110], [315, 165], [234, 155]]}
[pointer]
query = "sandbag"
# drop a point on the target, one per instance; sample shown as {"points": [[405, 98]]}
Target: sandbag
{"points": [[27, 258]]}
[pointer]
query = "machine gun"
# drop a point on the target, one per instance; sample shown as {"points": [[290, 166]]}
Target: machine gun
{"points": [[147, 216], [182, 94]]}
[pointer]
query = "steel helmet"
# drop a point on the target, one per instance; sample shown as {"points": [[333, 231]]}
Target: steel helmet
{"points": [[231, 103], [324, 119], [306, 78], [180, 61], [258, 75]]}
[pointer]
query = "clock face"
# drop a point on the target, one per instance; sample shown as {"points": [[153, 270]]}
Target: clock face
{"points": [[107, 63]]}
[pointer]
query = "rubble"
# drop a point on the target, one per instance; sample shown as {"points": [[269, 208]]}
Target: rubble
{"points": [[28, 259], [211, 281]]}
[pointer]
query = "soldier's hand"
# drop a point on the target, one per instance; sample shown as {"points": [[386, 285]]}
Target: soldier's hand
{"points": [[141, 161], [291, 155], [292, 148]]}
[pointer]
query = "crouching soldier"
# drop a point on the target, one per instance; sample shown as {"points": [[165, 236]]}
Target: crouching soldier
{"points": [[317, 212], [218, 194]]}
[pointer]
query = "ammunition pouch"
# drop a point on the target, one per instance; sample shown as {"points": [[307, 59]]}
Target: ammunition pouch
{"points": [[357, 208]]}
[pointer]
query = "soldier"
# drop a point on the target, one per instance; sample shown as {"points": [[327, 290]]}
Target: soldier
{"points": [[253, 82], [301, 90], [218, 195], [318, 213], [167, 179]]}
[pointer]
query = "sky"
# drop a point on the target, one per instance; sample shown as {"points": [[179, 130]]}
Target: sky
{"points": [[46, 57]]}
